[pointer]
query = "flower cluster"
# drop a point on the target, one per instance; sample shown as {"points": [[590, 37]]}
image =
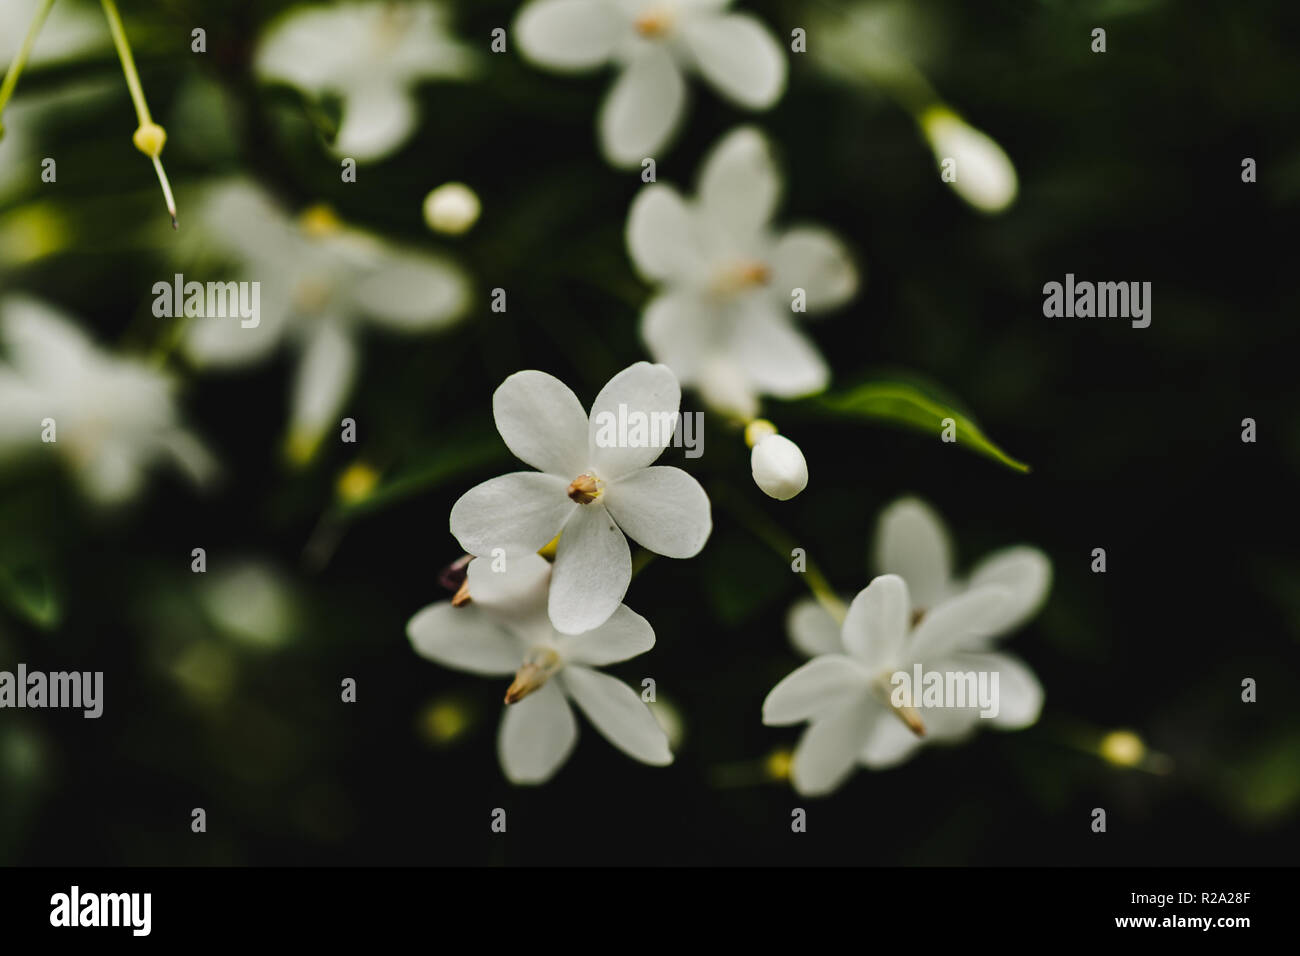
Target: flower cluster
{"points": [[517, 607]]}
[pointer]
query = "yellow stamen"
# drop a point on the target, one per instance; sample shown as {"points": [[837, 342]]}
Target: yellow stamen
{"points": [[654, 23], [538, 668]]}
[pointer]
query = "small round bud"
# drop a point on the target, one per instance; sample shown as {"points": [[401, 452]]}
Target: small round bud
{"points": [[150, 139], [779, 467], [452, 209]]}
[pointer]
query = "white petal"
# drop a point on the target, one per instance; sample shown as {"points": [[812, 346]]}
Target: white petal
{"points": [[1026, 572], [661, 234], [537, 735], [625, 635], [115, 474], [823, 685], [777, 358], [739, 56], [593, 567], [517, 591], [568, 34], [675, 327], [412, 292], [518, 512], [620, 715], [829, 748], [912, 542], [662, 509], [376, 119], [877, 623], [542, 423], [812, 629], [1020, 694], [324, 378], [739, 184], [960, 623], [889, 743], [816, 261], [646, 390], [985, 176], [642, 111], [464, 638]]}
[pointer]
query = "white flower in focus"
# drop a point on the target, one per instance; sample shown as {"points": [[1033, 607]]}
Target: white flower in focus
{"points": [[319, 279], [452, 208], [370, 54], [593, 492], [112, 417], [504, 630], [846, 693], [912, 542], [777, 463], [653, 43], [723, 319], [985, 177]]}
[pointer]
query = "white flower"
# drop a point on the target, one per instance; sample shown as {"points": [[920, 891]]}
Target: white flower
{"points": [[845, 693], [504, 630], [912, 542], [370, 54], [318, 280], [111, 417], [593, 490], [984, 176], [653, 42], [452, 208], [777, 463], [723, 318]]}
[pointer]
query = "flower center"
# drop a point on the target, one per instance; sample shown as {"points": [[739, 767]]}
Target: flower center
{"points": [[585, 489], [655, 22], [539, 666], [740, 276]]}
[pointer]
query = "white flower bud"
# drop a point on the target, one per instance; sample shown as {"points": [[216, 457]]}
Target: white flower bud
{"points": [[452, 208], [779, 467], [984, 176]]}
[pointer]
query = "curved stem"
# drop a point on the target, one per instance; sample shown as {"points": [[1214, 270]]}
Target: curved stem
{"points": [[766, 530], [20, 61]]}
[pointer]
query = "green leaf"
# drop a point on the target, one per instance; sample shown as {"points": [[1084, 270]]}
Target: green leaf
{"points": [[898, 403], [30, 594]]}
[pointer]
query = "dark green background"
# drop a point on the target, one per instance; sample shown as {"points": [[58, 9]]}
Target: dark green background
{"points": [[1130, 170]]}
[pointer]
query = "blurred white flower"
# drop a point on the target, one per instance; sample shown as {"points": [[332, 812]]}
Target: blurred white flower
{"points": [[722, 319], [250, 601], [370, 54], [111, 417], [983, 174], [912, 542], [452, 208], [596, 491], [653, 43], [71, 30], [504, 630], [319, 280], [776, 462], [846, 692]]}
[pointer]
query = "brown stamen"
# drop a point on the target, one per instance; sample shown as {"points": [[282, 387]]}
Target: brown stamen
{"points": [[584, 489]]}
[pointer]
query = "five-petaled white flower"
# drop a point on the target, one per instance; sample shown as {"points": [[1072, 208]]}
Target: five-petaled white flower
{"points": [[912, 542], [317, 278], [847, 695], [370, 54], [504, 630], [108, 417], [723, 317], [653, 42], [592, 487]]}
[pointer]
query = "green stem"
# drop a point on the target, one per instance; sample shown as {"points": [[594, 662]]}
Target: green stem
{"points": [[128, 62], [20, 61], [767, 531]]}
